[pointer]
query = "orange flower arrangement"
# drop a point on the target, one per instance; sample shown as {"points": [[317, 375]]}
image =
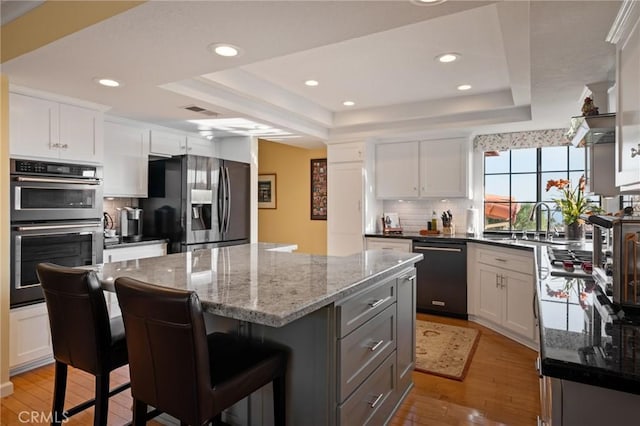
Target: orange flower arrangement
{"points": [[573, 203]]}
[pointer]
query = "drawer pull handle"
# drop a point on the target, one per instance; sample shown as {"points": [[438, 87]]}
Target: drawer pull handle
{"points": [[373, 403], [376, 303], [500, 260], [376, 345]]}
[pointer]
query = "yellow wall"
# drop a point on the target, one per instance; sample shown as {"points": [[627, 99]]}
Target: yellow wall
{"points": [[290, 222], [53, 20], [4, 234]]}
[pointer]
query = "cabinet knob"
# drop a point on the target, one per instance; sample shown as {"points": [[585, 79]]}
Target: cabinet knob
{"points": [[635, 151]]}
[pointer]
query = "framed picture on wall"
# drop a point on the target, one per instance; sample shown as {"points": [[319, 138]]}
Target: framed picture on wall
{"points": [[319, 189], [267, 191]]}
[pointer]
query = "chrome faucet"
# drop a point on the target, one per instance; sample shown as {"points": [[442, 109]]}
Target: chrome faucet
{"points": [[548, 236]]}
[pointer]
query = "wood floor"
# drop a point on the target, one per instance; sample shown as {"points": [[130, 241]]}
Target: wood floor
{"points": [[501, 387]]}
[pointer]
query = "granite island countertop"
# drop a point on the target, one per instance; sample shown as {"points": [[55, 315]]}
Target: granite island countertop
{"points": [[259, 283]]}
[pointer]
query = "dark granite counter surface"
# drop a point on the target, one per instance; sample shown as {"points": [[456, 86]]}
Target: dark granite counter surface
{"points": [[582, 338]]}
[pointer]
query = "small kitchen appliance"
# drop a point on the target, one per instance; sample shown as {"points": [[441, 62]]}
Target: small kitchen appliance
{"points": [[131, 224]]}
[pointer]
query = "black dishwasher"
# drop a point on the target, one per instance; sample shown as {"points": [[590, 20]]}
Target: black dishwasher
{"points": [[442, 278]]}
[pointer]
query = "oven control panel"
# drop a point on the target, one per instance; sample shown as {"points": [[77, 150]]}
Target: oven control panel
{"points": [[52, 169]]}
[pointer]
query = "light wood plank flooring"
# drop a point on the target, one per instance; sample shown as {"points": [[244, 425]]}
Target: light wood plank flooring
{"points": [[501, 387]]}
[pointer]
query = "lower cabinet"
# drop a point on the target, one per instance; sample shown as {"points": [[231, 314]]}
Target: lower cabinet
{"points": [[128, 253], [502, 285], [395, 244], [375, 350], [29, 337]]}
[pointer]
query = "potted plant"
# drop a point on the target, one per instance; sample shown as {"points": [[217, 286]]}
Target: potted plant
{"points": [[572, 204]]}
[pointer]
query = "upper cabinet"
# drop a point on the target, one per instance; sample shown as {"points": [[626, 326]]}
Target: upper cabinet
{"points": [[45, 129], [444, 168], [426, 169], [626, 35], [166, 143], [397, 174], [200, 146], [126, 160]]}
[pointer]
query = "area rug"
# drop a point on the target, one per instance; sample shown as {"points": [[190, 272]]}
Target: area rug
{"points": [[444, 350]]}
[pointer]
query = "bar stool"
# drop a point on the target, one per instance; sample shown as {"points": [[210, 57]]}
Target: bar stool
{"points": [[83, 336], [179, 369]]}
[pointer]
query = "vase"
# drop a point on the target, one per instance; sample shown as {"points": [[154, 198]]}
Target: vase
{"points": [[574, 231]]}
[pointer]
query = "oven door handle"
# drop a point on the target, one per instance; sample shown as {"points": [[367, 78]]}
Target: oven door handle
{"points": [[58, 180], [54, 227]]}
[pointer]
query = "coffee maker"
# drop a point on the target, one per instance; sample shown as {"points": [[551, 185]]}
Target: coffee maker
{"points": [[131, 224]]}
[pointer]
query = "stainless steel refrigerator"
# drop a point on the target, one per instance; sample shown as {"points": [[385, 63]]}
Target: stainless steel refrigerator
{"points": [[197, 202]]}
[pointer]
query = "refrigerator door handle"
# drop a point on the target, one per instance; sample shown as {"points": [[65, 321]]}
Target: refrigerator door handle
{"points": [[228, 199], [221, 201]]}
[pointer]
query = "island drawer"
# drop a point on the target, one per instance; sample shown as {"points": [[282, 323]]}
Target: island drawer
{"points": [[358, 308], [364, 349], [372, 402]]}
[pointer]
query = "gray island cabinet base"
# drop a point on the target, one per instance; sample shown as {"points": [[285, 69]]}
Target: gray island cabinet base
{"points": [[348, 322]]}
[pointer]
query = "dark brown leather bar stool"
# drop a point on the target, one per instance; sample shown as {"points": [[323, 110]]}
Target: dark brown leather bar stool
{"points": [[83, 336], [179, 369]]}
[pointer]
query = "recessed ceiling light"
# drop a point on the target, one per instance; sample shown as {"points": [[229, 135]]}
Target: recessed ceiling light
{"points": [[427, 2], [348, 103], [311, 83], [464, 87], [446, 58], [225, 50], [108, 82]]}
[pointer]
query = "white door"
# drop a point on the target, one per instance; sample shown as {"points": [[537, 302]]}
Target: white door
{"points": [[126, 160], [33, 127], [519, 303], [397, 170], [165, 143], [344, 209], [489, 302], [81, 134], [443, 168]]}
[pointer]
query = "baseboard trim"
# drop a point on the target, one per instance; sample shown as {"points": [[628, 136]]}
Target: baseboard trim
{"points": [[31, 365], [6, 389]]}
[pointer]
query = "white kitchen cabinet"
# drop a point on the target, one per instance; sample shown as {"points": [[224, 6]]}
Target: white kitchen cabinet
{"points": [[397, 170], [626, 35], [200, 146], [345, 217], [129, 253], [501, 286], [426, 169], [29, 337], [44, 129], [167, 143], [395, 244], [347, 152], [444, 168], [126, 160]]}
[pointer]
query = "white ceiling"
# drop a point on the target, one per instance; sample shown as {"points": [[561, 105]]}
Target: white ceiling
{"points": [[528, 63]]}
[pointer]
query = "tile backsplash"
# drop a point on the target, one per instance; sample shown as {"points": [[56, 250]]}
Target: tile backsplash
{"points": [[414, 215], [111, 206]]}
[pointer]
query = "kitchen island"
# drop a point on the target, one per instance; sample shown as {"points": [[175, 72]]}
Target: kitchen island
{"points": [[348, 322]]}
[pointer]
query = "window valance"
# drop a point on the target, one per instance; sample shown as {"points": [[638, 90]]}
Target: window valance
{"points": [[515, 140]]}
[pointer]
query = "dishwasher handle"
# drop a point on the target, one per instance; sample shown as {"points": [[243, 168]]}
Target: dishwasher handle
{"points": [[424, 248]]}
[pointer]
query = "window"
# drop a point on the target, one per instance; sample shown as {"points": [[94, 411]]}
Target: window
{"points": [[515, 180]]}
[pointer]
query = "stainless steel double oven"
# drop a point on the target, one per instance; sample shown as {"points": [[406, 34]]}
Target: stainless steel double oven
{"points": [[56, 216]]}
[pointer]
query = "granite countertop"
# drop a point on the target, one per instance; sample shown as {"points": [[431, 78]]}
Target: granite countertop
{"points": [[574, 336], [497, 240], [258, 282]]}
